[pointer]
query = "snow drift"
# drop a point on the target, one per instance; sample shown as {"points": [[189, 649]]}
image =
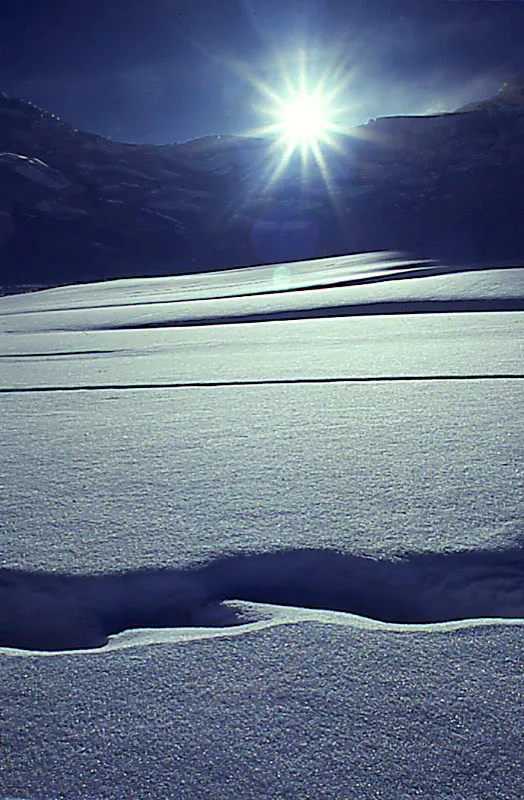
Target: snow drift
{"points": [[60, 612]]}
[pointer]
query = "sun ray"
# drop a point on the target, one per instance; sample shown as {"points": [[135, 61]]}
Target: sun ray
{"points": [[297, 78], [304, 115]]}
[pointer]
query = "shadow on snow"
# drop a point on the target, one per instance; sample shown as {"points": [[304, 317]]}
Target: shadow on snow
{"points": [[44, 611]]}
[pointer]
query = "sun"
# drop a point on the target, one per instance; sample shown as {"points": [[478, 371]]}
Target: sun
{"points": [[305, 114], [304, 119], [301, 118]]}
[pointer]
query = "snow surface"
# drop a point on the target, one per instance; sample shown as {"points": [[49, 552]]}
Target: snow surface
{"points": [[351, 286], [208, 462]]}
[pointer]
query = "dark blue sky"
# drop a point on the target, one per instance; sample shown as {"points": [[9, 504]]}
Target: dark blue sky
{"points": [[169, 70]]}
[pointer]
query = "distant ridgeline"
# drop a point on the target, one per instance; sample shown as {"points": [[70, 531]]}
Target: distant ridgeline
{"points": [[75, 206]]}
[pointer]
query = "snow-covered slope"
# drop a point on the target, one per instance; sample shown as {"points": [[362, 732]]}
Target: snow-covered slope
{"points": [[289, 551], [370, 283]]}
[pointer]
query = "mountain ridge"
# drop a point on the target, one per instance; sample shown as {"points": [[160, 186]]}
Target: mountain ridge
{"points": [[75, 206]]}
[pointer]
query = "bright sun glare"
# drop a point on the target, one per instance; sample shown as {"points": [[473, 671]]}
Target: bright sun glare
{"points": [[304, 119], [303, 115]]}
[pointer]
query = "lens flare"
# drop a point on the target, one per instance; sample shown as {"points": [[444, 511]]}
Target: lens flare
{"points": [[306, 115], [304, 119]]}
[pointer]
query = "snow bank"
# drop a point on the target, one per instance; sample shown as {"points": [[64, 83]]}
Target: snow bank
{"points": [[59, 612]]}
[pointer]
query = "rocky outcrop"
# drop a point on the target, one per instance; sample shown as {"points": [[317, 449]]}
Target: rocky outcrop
{"points": [[75, 206], [510, 93]]}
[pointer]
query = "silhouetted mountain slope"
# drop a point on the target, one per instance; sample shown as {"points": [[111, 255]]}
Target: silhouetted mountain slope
{"points": [[510, 93], [75, 206]]}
